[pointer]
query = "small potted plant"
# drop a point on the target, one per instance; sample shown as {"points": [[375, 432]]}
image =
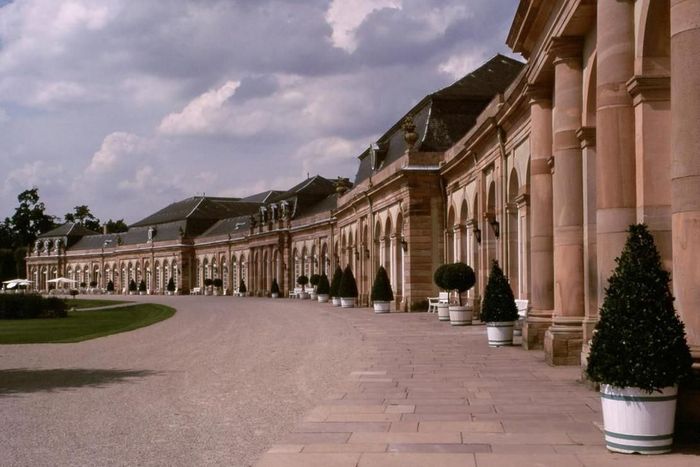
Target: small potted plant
{"points": [[347, 288], [133, 288], [274, 289], [83, 287], [458, 277], [442, 308], [218, 284], [93, 286], [302, 281], [313, 280], [335, 285], [242, 290], [498, 309], [208, 283], [171, 286], [142, 287], [110, 288], [639, 353], [323, 289], [382, 295]]}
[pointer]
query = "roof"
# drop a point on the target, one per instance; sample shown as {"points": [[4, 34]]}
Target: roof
{"points": [[200, 208], [69, 229], [313, 187], [262, 197], [236, 226], [443, 117]]}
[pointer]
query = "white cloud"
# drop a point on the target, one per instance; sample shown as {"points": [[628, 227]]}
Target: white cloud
{"points": [[457, 66], [346, 16], [204, 114], [37, 173], [118, 148]]}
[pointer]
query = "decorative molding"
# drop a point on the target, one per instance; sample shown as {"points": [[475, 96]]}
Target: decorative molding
{"points": [[565, 48], [649, 88], [586, 134]]}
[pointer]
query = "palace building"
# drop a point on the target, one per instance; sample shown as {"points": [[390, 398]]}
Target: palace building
{"points": [[540, 165]]}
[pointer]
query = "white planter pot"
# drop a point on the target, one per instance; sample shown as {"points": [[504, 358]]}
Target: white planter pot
{"points": [[636, 421], [275, 295], [500, 333], [443, 311], [460, 315], [314, 296], [304, 296], [242, 294], [323, 297], [336, 301], [169, 292], [348, 302], [381, 307]]}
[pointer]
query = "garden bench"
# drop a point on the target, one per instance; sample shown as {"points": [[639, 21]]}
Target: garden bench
{"points": [[196, 291], [295, 293], [522, 306], [443, 297]]}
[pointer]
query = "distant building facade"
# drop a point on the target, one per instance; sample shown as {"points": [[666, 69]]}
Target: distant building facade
{"points": [[541, 166]]}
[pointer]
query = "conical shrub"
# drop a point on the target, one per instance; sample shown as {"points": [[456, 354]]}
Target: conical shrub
{"points": [[335, 283], [274, 287], [381, 289], [498, 303], [639, 340], [348, 285], [323, 285]]}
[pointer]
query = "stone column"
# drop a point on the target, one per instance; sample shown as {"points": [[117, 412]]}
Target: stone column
{"points": [[541, 244], [685, 164], [590, 261], [393, 245], [457, 236], [523, 204], [562, 343], [615, 151]]}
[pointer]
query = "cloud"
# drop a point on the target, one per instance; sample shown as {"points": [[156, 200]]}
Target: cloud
{"points": [[345, 17], [118, 148]]}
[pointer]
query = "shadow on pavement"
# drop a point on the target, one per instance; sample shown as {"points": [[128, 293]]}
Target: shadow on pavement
{"points": [[25, 380]]}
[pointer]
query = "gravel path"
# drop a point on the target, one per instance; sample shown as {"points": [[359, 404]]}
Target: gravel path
{"points": [[214, 385]]}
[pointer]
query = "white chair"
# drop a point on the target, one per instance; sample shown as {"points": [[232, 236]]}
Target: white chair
{"points": [[443, 297], [522, 306]]}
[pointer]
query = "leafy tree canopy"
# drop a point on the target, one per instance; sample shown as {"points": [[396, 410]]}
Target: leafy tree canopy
{"points": [[82, 215], [117, 226], [28, 222]]}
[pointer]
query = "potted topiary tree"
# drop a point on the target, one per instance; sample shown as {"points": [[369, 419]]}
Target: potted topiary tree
{"points": [[335, 285], [347, 288], [498, 309], [242, 290], [382, 295], [218, 284], [110, 288], [313, 280], [93, 286], [323, 289], [142, 287], [207, 286], [438, 278], [171, 286], [302, 281], [458, 277], [639, 353], [274, 289], [133, 288]]}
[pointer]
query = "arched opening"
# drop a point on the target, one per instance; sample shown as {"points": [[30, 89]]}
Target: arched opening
{"points": [[490, 234], [450, 236], [400, 273], [387, 249], [463, 239]]}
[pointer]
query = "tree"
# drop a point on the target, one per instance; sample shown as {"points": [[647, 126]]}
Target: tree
{"points": [[117, 226], [499, 302], [639, 340], [348, 285], [30, 219], [381, 289], [82, 215]]}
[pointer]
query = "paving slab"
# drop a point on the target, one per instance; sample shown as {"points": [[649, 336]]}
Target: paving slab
{"points": [[450, 400]]}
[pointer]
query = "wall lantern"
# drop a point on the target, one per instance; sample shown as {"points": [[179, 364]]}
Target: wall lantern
{"points": [[357, 255], [495, 226], [366, 253], [404, 244], [477, 234]]}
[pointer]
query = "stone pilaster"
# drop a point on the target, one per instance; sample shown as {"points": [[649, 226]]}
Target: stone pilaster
{"points": [[563, 339], [541, 243]]}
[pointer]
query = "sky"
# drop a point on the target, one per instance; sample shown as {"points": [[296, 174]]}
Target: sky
{"points": [[129, 105]]}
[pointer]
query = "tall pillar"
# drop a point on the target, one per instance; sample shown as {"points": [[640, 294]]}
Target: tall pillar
{"points": [[563, 339], [539, 316], [615, 149], [685, 164]]}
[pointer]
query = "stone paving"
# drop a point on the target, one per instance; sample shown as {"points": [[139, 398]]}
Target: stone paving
{"points": [[436, 395]]}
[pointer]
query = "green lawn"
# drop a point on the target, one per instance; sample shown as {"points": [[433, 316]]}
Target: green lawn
{"points": [[82, 325], [79, 303]]}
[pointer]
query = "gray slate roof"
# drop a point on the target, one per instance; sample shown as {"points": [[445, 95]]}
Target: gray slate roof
{"points": [[69, 229], [443, 117], [199, 208]]}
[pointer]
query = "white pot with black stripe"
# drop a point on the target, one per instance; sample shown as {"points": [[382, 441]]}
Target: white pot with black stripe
{"points": [[500, 333], [443, 311], [637, 421]]}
